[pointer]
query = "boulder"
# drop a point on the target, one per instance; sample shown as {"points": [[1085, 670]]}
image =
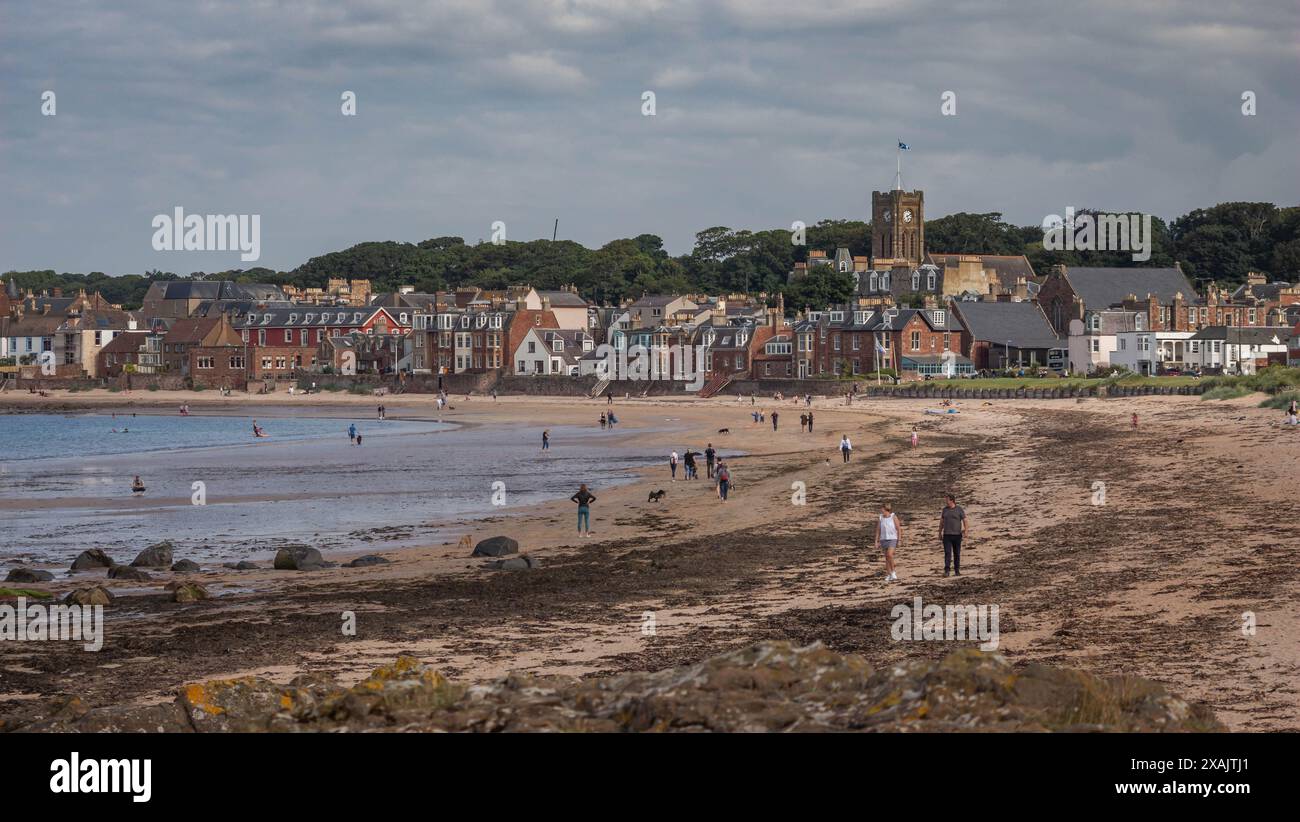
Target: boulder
{"points": [[243, 565], [298, 558], [186, 566], [28, 575], [91, 595], [496, 547], [127, 572], [92, 558], [368, 559], [187, 591], [523, 562], [158, 555]]}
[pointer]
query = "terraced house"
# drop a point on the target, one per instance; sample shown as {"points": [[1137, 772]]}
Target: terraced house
{"points": [[848, 340]]}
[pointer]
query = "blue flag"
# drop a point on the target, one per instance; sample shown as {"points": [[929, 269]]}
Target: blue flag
{"points": [[903, 146]]}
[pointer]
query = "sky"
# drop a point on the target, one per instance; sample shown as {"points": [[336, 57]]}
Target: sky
{"points": [[470, 112]]}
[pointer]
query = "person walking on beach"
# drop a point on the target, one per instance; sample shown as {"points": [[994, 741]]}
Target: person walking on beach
{"points": [[1135, 419], [672, 465], [810, 420], [914, 436], [952, 527], [352, 431], [846, 447], [774, 421], [689, 461], [546, 439], [584, 498], [494, 395], [358, 438], [888, 534], [602, 420], [724, 480], [709, 455], [803, 422]]}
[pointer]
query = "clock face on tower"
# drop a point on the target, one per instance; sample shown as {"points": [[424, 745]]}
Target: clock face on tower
{"points": [[907, 216]]}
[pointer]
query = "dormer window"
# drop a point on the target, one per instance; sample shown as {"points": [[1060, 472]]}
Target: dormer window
{"points": [[940, 318], [402, 318], [929, 281], [252, 319], [557, 345], [293, 318], [916, 281], [307, 319]]}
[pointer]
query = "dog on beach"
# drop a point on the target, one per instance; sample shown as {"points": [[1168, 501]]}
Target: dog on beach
{"points": [[655, 496], [724, 430]]}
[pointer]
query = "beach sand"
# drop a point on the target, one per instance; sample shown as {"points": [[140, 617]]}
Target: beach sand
{"points": [[1197, 529]]}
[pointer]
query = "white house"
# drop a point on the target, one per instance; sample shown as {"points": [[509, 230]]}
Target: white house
{"points": [[1093, 340], [1145, 352], [570, 310], [552, 351], [1238, 349]]}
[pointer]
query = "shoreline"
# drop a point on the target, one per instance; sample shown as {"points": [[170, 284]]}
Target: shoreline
{"points": [[1117, 589]]}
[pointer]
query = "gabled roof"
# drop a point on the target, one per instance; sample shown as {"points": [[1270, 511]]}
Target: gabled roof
{"points": [[1022, 324], [1104, 287]]}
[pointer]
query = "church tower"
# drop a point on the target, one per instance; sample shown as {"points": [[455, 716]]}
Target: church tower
{"points": [[897, 229]]}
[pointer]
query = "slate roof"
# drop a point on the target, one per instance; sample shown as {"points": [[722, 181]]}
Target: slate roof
{"points": [[1023, 324], [1245, 335], [1104, 287]]}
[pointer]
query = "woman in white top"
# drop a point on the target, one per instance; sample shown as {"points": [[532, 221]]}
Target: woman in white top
{"points": [[846, 447], [888, 534], [672, 465]]}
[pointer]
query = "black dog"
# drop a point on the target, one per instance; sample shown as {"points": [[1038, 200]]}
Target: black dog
{"points": [[724, 430], [655, 496]]}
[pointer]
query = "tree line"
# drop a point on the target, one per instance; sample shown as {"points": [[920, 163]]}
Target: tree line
{"points": [[1221, 243]]}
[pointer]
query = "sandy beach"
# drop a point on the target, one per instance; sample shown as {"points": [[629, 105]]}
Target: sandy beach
{"points": [[1197, 528]]}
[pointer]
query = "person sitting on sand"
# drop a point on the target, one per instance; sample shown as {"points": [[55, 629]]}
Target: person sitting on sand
{"points": [[137, 487]]}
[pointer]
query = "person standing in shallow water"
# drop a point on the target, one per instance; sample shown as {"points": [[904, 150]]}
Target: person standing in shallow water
{"points": [[546, 439], [584, 498]]}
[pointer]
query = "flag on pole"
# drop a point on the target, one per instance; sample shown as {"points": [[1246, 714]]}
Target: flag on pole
{"points": [[903, 146]]}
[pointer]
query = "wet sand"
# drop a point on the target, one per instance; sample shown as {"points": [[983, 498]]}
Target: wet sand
{"points": [[1198, 527]]}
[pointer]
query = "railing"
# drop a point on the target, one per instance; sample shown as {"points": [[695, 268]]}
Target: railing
{"points": [[715, 384]]}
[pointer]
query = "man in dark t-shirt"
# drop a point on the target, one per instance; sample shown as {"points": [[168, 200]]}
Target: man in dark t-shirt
{"points": [[952, 527], [709, 456]]}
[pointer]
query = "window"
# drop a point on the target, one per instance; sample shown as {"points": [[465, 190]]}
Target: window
{"points": [[281, 363], [857, 343], [929, 281], [947, 342], [557, 345], [1096, 346], [402, 318], [916, 281], [293, 318], [205, 362], [237, 361], [835, 341], [532, 347], [261, 336], [916, 340], [266, 363]]}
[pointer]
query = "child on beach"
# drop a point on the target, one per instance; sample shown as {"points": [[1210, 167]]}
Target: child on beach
{"points": [[846, 447], [584, 498], [914, 436], [546, 439], [1135, 420]]}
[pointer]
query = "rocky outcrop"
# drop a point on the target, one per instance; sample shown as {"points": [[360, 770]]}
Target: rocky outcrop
{"points": [[771, 686], [90, 595], [367, 560], [523, 562], [186, 566], [28, 575], [158, 555], [92, 558], [127, 572], [496, 547], [242, 565], [187, 591], [298, 558]]}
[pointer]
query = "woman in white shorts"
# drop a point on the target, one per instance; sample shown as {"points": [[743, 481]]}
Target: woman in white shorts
{"points": [[888, 534]]}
